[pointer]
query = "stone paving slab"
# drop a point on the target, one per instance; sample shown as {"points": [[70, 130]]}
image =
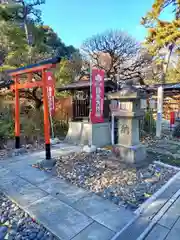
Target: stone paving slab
{"points": [[158, 233], [171, 216], [16, 165], [27, 158], [34, 157], [63, 220], [32, 175], [92, 205], [3, 171], [114, 219], [95, 231], [104, 212], [62, 190], [20, 190], [175, 232]]}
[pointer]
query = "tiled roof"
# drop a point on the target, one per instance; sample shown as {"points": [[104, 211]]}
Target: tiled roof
{"points": [[81, 84], [167, 86], [75, 85]]}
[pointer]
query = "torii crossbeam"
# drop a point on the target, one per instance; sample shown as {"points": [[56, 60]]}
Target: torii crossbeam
{"points": [[42, 68]]}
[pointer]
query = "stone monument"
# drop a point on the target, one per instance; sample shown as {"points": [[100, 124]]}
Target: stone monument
{"points": [[129, 112]]}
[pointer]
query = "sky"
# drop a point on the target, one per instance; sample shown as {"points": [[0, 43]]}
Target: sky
{"points": [[77, 20]]}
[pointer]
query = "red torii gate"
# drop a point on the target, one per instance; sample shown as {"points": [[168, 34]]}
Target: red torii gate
{"points": [[40, 67]]}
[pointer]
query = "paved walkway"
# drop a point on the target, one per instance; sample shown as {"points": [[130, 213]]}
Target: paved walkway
{"points": [[66, 210]]}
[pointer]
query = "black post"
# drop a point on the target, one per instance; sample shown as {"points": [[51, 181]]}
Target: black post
{"points": [[17, 142], [48, 151]]}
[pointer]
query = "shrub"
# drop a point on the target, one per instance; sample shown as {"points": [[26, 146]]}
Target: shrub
{"points": [[60, 128], [149, 124], [176, 132], [31, 125], [6, 124]]}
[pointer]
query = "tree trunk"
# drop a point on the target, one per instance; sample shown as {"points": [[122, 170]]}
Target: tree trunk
{"points": [[38, 104], [26, 31]]}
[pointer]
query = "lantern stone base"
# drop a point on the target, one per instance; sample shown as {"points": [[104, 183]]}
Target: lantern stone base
{"points": [[85, 133], [130, 154]]}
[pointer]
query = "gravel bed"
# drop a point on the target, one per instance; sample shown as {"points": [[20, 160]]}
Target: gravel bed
{"points": [[15, 224], [164, 151], [102, 173], [25, 149]]}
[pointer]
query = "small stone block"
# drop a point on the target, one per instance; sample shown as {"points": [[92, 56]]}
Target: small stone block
{"points": [[132, 154]]}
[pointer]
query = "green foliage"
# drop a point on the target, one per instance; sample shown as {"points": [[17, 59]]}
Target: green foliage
{"points": [[176, 132], [32, 125], [12, 43], [9, 12], [161, 34], [21, 10], [67, 70], [60, 128], [173, 76], [6, 129], [6, 124], [149, 124], [15, 50]]}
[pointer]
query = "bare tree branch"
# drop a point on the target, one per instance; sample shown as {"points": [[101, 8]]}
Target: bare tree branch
{"points": [[118, 54]]}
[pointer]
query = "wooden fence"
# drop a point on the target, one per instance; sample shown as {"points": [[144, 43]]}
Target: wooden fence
{"points": [[64, 108]]}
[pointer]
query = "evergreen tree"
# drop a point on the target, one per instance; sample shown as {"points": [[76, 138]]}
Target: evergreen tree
{"points": [[162, 34], [16, 51]]}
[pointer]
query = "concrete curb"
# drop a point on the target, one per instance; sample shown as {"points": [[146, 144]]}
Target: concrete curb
{"points": [[149, 201], [167, 165], [159, 215]]}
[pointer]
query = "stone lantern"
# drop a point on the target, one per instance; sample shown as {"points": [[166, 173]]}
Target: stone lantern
{"points": [[131, 104]]}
